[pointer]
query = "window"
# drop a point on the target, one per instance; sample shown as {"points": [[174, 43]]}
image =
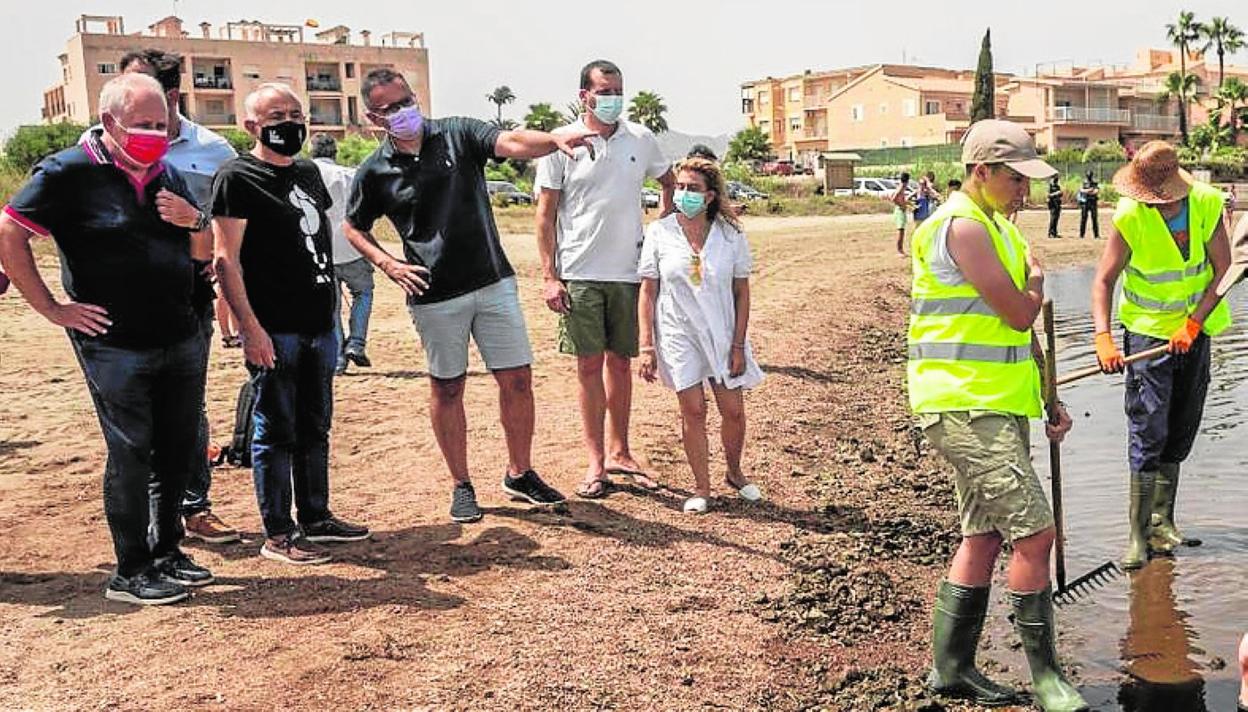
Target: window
{"points": [[795, 94], [251, 72], [763, 97], [856, 112], [214, 106], [350, 69], [795, 124], [931, 107], [908, 107], [106, 68], [765, 126]]}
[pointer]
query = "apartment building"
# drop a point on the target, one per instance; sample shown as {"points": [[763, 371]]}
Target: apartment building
{"points": [[323, 66], [889, 106]]}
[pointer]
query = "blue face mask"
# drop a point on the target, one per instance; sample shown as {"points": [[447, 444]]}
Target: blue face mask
{"points": [[689, 203], [608, 107]]}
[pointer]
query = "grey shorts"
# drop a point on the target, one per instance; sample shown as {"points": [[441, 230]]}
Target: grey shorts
{"points": [[490, 315]]}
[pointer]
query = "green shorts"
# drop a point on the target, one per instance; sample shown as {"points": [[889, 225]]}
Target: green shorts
{"points": [[603, 318], [997, 489], [899, 217]]}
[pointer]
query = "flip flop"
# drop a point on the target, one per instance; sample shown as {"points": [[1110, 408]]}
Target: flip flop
{"points": [[595, 489], [749, 492], [649, 484]]}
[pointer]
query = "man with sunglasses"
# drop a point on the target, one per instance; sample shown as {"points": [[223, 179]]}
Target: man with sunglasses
{"points": [[428, 178]]}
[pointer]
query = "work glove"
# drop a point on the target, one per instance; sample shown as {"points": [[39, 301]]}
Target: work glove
{"points": [[1181, 340], [1107, 353]]}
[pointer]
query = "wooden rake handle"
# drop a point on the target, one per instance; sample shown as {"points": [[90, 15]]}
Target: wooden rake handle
{"points": [[1094, 370]]}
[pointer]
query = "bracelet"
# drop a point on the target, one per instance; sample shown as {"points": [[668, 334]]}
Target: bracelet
{"points": [[646, 349], [739, 346]]}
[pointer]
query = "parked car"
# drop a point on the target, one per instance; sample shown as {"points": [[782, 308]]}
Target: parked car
{"points": [[740, 191], [650, 197], [778, 168], [509, 192]]}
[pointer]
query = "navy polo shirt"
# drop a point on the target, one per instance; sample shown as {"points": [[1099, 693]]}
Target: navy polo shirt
{"points": [[439, 205], [116, 251]]}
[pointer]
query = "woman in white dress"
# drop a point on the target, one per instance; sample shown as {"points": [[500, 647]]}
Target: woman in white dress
{"points": [[694, 312]]}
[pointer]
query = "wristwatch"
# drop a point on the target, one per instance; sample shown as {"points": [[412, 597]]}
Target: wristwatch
{"points": [[204, 221]]}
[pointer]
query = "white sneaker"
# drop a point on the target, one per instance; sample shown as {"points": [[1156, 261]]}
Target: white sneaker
{"points": [[751, 493], [696, 505]]}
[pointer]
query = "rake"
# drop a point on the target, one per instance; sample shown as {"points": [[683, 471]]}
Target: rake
{"points": [[1108, 571]]}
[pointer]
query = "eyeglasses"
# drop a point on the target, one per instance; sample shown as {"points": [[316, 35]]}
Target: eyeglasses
{"points": [[695, 269]]}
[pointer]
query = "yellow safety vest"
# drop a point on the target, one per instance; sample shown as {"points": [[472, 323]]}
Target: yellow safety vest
{"points": [[962, 355], [1159, 288]]}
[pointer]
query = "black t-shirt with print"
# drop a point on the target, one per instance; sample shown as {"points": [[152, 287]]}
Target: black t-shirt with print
{"points": [[439, 205], [286, 254], [115, 250]]}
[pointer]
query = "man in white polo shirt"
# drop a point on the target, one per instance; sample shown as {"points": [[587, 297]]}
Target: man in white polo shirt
{"points": [[589, 234]]}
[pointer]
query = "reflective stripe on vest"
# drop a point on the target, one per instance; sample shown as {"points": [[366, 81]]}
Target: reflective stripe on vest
{"points": [[962, 355], [1161, 288]]}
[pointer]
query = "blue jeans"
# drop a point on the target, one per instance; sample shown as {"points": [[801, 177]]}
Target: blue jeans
{"points": [[1165, 399], [196, 498], [357, 275], [294, 407], [148, 402]]}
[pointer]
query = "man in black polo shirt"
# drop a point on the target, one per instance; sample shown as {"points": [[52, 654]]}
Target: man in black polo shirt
{"points": [[428, 178], [131, 320], [274, 260]]}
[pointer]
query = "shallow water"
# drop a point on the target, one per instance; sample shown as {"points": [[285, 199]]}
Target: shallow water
{"points": [[1153, 641]]}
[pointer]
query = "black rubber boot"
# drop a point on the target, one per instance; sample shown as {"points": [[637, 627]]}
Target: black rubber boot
{"points": [[1139, 519], [1033, 619], [957, 621]]}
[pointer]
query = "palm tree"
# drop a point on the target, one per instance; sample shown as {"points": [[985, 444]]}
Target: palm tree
{"points": [[505, 124], [1226, 39], [1179, 88], [647, 109], [1233, 93], [574, 109], [501, 95], [1183, 34], [543, 117]]}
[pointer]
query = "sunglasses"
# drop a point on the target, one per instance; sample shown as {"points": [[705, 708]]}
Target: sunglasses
{"points": [[695, 269]]}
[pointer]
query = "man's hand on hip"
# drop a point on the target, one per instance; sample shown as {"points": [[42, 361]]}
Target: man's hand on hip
{"points": [[414, 279]]}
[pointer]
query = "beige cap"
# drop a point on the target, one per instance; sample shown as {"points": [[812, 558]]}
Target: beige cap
{"points": [[1239, 257], [996, 141]]}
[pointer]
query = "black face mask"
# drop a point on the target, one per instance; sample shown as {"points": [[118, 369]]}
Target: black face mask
{"points": [[285, 138]]}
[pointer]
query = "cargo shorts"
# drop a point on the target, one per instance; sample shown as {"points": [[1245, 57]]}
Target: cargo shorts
{"points": [[603, 318], [997, 489]]}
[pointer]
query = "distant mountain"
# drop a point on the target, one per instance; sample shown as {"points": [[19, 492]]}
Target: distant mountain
{"points": [[676, 144]]}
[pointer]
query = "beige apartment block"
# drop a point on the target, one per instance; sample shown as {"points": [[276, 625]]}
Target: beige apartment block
{"points": [[891, 106], [323, 66]]}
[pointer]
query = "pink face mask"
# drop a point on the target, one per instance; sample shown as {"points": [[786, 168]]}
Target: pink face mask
{"points": [[144, 146]]}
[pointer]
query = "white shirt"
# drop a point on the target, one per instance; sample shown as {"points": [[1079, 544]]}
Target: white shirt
{"points": [[338, 183], [598, 229], [694, 323], [196, 153]]}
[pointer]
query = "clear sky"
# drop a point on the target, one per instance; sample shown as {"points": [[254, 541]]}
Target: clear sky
{"points": [[695, 54]]}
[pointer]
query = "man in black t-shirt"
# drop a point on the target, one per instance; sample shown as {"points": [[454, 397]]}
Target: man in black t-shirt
{"points": [[1055, 205], [1089, 197], [131, 320], [428, 178], [275, 264]]}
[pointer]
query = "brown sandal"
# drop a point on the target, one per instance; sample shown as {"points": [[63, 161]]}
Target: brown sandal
{"points": [[593, 489]]}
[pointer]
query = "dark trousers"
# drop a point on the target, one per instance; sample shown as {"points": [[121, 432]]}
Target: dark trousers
{"points": [[1054, 213], [294, 407], [200, 479], [148, 402], [1165, 399], [1086, 210]]}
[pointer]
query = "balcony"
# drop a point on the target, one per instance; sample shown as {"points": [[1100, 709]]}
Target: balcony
{"points": [[323, 83], [214, 119], [1085, 115], [1155, 123], [202, 82], [325, 112]]}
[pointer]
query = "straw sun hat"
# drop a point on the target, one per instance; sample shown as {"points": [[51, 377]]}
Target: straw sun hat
{"points": [[1154, 176]]}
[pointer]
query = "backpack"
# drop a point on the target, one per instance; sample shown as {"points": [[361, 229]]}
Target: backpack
{"points": [[238, 452]]}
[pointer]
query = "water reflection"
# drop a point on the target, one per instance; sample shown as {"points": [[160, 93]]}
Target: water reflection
{"points": [[1158, 647], [1209, 596]]}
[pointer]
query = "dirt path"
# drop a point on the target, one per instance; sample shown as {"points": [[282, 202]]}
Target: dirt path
{"points": [[622, 604]]}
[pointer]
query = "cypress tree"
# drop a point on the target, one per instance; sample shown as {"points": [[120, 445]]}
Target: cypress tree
{"points": [[983, 101]]}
